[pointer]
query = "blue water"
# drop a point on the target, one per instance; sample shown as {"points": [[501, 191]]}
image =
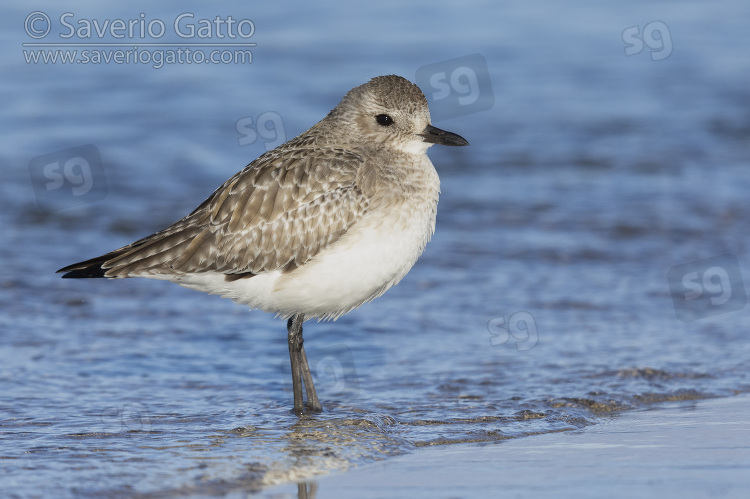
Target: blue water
{"points": [[590, 175]]}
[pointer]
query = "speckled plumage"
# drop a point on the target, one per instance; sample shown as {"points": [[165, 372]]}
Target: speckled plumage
{"points": [[323, 223], [312, 229]]}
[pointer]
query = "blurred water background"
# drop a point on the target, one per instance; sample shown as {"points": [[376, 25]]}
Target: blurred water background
{"points": [[590, 257]]}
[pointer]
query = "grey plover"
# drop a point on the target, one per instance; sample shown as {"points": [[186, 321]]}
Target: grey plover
{"points": [[312, 229]]}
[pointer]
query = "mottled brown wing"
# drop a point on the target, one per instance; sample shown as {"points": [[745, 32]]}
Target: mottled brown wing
{"points": [[277, 213]]}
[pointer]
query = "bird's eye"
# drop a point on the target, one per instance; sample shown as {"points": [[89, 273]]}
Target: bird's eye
{"points": [[384, 120]]}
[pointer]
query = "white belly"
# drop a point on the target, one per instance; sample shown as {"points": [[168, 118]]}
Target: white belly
{"points": [[372, 256]]}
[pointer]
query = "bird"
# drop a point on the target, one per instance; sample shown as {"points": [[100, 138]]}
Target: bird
{"points": [[312, 229]]}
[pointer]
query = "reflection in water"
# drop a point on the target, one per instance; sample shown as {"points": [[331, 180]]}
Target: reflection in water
{"points": [[548, 299], [307, 490]]}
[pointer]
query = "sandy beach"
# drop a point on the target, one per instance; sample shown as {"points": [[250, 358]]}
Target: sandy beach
{"points": [[577, 325], [687, 449]]}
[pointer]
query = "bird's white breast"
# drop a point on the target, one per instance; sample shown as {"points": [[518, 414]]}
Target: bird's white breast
{"points": [[373, 255]]}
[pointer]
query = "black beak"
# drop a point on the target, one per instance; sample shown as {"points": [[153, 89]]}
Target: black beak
{"points": [[438, 136]]}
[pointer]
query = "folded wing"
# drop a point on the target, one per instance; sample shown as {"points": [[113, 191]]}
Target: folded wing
{"points": [[275, 214]]}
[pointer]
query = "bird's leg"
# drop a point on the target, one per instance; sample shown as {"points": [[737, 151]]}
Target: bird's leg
{"points": [[312, 396], [300, 367], [294, 327]]}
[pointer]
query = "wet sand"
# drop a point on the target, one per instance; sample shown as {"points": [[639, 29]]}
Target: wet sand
{"points": [[687, 449]]}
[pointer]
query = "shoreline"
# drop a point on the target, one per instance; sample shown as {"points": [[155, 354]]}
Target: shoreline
{"points": [[696, 448]]}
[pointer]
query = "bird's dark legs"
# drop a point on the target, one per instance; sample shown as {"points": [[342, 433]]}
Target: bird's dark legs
{"points": [[312, 396], [300, 367], [294, 326]]}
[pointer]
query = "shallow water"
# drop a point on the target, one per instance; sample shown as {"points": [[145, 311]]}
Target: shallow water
{"points": [[592, 175], [696, 448]]}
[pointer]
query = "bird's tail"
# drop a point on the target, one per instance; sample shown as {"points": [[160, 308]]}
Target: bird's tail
{"points": [[89, 268]]}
